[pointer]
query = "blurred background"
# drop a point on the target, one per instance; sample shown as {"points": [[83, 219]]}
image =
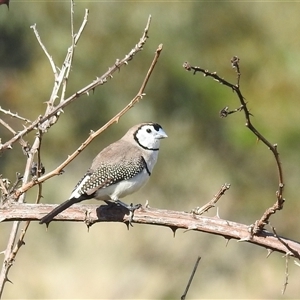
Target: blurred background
{"points": [[202, 152]]}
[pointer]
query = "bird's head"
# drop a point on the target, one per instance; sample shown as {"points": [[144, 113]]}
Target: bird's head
{"points": [[148, 135]]}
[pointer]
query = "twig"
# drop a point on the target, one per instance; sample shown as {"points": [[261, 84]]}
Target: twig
{"points": [[4, 184], [93, 135], [278, 205], [290, 252], [7, 126], [235, 64], [25, 145], [288, 247], [14, 115], [70, 56], [286, 279], [13, 247], [18, 181], [191, 278], [212, 203], [99, 81], [52, 64]]}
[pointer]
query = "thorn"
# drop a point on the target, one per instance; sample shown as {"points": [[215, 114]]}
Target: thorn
{"points": [[190, 228], [174, 230], [269, 252], [296, 263], [8, 280], [227, 241], [246, 239], [217, 213], [147, 204]]}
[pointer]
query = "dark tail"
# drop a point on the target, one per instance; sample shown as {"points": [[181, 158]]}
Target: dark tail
{"points": [[48, 218]]}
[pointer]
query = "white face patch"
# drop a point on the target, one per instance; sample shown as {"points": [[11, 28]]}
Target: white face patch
{"points": [[148, 136]]}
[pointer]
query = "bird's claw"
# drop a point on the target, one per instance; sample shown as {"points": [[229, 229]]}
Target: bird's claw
{"points": [[131, 208]]}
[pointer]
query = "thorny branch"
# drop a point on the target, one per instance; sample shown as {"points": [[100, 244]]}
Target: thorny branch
{"points": [[278, 205], [212, 202], [99, 81], [14, 115], [92, 214]]}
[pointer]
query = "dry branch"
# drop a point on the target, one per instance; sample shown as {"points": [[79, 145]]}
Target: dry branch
{"points": [[91, 214], [85, 90], [191, 278], [278, 205]]}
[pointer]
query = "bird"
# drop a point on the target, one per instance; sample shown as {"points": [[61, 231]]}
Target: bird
{"points": [[120, 169]]}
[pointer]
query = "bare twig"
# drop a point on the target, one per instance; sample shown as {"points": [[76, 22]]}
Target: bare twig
{"points": [[278, 205], [52, 64], [4, 185], [212, 203], [235, 64], [13, 247], [14, 115], [191, 278], [290, 250], [286, 279], [25, 145], [99, 81], [7, 126], [70, 55]]}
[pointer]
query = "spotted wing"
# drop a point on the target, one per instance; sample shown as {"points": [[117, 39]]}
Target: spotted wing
{"points": [[108, 174]]}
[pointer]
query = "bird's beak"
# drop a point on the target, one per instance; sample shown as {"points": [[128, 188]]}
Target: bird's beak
{"points": [[161, 134]]}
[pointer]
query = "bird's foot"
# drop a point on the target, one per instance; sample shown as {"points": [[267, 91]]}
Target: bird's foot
{"points": [[131, 208]]}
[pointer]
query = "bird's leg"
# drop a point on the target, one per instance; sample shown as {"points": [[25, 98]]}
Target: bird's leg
{"points": [[131, 208]]}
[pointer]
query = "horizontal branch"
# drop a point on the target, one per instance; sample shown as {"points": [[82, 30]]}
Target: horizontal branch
{"points": [[91, 214]]}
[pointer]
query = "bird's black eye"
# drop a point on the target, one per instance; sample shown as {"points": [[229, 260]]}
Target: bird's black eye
{"points": [[148, 130]]}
